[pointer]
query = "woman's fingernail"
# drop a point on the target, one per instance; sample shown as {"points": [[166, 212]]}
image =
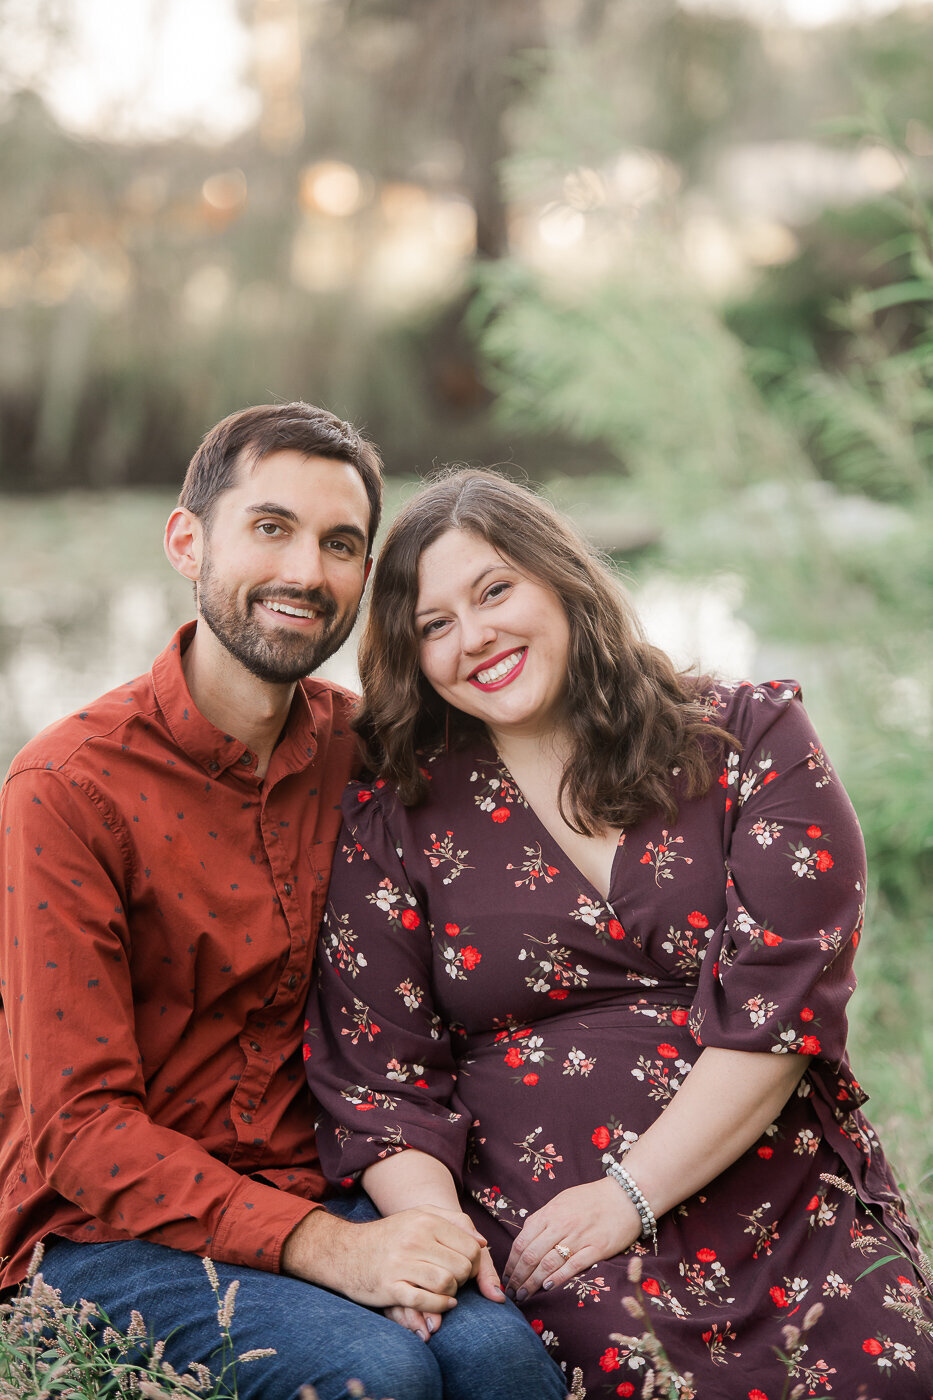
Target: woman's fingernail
{"points": [[422, 1334], [548, 1283], [521, 1295], [510, 1292], [429, 1323]]}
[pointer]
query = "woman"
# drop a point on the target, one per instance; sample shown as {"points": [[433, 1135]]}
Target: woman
{"points": [[584, 971]]}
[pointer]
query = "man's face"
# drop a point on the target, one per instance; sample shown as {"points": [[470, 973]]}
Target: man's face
{"points": [[284, 563]]}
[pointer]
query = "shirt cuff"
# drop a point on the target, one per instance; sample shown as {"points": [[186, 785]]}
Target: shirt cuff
{"points": [[255, 1223]]}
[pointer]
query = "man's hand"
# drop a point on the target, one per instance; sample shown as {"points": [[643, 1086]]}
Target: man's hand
{"points": [[487, 1281], [413, 1259]]}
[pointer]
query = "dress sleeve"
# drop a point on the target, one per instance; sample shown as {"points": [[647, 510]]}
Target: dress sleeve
{"points": [[778, 972], [377, 1053]]}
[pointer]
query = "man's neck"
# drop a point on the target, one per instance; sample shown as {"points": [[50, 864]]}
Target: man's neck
{"points": [[231, 698]]}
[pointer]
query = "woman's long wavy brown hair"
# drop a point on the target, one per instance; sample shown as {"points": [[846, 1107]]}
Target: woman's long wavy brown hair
{"points": [[632, 718]]}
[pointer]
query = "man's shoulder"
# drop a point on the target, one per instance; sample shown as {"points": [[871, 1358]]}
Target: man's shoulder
{"points": [[108, 719]]}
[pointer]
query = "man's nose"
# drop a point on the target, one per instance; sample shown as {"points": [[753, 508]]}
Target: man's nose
{"points": [[305, 566]]}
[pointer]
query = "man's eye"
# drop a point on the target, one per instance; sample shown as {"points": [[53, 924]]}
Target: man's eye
{"points": [[339, 547], [269, 528]]}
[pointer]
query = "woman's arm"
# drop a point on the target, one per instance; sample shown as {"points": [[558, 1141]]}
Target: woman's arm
{"points": [[723, 1106]]}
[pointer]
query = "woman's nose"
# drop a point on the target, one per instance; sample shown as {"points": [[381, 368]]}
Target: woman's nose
{"points": [[476, 634]]}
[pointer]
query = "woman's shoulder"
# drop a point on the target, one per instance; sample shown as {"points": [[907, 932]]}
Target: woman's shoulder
{"points": [[744, 706], [450, 776]]}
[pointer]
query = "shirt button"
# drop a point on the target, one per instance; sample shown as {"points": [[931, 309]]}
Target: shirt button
{"points": [[287, 889], [246, 759], [293, 980], [255, 1046], [246, 1117], [214, 766]]}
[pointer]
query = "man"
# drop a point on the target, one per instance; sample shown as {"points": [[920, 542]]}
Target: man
{"points": [[166, 854]]}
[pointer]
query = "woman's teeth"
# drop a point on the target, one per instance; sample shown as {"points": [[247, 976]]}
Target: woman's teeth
{"points": [[501, 668]]}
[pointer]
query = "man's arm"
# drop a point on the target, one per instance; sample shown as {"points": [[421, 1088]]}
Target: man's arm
{"points": [[68, 989]]}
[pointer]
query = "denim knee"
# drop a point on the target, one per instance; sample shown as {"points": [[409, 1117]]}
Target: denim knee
{"points": [[390, 1362], [488, 1351]]}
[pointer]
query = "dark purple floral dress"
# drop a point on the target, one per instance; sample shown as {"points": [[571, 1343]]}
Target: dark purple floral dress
{"points": [[479, 1000]]}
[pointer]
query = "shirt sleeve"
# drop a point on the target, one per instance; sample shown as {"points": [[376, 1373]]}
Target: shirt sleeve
{"points": [[66, 955], [778, 973], [377, 1054]]}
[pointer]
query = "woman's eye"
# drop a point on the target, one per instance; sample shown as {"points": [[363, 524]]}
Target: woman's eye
{"points": [[433, 627], [497, 590]]}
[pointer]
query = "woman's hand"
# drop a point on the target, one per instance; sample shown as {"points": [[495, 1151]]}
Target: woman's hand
{"points": [[424, 1324], [594, 1221]]}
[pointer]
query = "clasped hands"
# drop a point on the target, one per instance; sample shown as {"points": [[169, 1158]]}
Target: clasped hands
{"points": [[593, 1221]]}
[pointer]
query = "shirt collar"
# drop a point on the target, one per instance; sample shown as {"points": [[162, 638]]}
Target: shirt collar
{"points": [[201, 740]]}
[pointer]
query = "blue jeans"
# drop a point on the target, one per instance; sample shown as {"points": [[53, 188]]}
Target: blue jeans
{"points": [[482, 1350]]}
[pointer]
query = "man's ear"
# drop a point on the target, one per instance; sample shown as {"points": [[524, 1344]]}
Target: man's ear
{"points": [[184, 543]]}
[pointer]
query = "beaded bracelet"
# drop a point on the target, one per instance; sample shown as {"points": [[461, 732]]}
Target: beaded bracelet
{"points": [[624, 1179]]}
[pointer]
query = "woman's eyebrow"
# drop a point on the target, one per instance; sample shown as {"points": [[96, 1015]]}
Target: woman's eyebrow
{"points": [[422, 612]]}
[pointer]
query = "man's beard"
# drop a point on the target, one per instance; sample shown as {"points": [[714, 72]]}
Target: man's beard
{"points": [[286, 655]]}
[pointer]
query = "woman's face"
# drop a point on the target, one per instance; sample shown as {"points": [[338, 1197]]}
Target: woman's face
{"points": [[493, 641]]}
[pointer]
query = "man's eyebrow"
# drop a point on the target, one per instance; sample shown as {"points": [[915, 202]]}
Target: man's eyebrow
{"points": [[423, 612], [273, 508]]}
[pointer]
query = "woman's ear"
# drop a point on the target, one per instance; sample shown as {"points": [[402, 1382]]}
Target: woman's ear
{"points": [[184, 543]]}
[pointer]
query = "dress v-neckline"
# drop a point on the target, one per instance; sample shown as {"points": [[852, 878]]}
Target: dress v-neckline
{"points": [[552, 841]]}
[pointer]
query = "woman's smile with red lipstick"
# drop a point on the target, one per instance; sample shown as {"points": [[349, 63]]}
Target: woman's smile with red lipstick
{"points": [[500, 671]]}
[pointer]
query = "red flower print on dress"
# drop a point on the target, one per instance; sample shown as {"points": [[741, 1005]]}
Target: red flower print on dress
{"points": [[470, 957], [609, 1361], [601, 1138], [625, 1388], [409, 918], [757, 1395], [680, 1015], [824, 860], [813, 1203], [667, 1052], [501, 814], [809, 1046], [451, 930], [697, 920], [306, 1052], [778, 1296], [772, 939], [872, 1346], [615, 929], [706, 1256], [652, 1286], [814, 831], [766, 1153], [530, 1079], [363, 795], [513, 1057], [806, 1014], [537, 1325]]}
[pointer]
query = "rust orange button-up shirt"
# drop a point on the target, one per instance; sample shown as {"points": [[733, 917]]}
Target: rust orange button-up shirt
{"points": [[159, 910]]}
